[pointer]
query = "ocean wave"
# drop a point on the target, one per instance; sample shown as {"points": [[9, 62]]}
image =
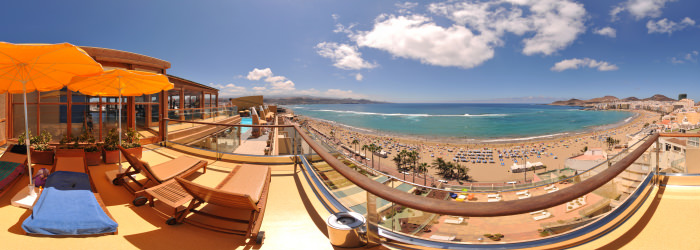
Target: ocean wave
{"points": [[525, 138], [400, 114]]}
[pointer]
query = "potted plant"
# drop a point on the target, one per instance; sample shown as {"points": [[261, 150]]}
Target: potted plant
{"points": [[110, 151], [42, 153], [130, 142], [21, 144], [92, 152]]}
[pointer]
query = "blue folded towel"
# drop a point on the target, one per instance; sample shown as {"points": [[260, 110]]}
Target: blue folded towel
{"points": [[67, 206]]}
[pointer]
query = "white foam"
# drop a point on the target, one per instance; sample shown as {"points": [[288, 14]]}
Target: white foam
{"points": [[401, 114], [525, 138]]}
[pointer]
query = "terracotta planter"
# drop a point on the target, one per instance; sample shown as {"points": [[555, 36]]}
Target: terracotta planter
{"points": [[42, 157], [110, 156], [113, 155], [93, 158]]}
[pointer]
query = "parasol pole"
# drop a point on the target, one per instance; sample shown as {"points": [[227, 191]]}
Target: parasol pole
{"points": [[119, 121], [26, 141]]}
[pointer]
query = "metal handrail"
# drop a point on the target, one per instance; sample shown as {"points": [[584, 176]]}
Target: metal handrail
{"points": [[480, 209], [543, 183], [475, 209]]}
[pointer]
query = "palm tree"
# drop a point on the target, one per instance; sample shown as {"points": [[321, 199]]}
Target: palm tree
{"points": [[423, 168], [371, 151], [398, 159], [355, 142], [365, 148], [439, 164], [378, 149], [413, 158]]}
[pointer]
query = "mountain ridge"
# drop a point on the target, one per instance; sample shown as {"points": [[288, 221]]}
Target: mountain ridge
{"points": [[608, 98], [316, 100]]}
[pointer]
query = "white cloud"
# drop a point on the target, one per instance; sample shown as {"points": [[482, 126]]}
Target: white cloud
{"points": [[335, 17], [280, 83], [344, 56], [405, 7], [418, 37], [555, 23], [359, 77], [667, 26], [276, 83], [478, 28], [640, 8], [615, 11], [228, 89], [576, 63], [311, 92], [689, 57], [343, 94], [257, 74], [606, 31]]}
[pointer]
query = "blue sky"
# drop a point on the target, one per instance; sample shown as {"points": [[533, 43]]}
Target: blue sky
{"points": [[443, 51]]}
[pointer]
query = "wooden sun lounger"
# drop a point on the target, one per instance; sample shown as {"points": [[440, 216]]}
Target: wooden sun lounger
{"points": [[182, 166], [74, 160], [17, 158], [237, 205]]}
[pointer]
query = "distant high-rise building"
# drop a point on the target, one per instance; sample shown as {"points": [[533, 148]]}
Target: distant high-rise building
{"points": [[682, 96]]}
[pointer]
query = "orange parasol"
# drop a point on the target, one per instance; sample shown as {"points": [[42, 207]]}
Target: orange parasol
{"points": [[40, 67], [120, 82]]}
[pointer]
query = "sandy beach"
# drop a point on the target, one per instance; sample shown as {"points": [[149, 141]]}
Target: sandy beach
{"points": [[551, 151]]}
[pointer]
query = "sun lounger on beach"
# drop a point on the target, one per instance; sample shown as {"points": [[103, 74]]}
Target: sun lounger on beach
{"points": [[69, 204], [494, 196], [538, 212], [457, 220], [520, 197], [553, 190], [544, 215], [182, 166], [524, 192], [494, 199], [442, 237], [549, 187]]}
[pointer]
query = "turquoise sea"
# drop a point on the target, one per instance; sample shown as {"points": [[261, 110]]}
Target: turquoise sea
{"points": [[468, 121]]}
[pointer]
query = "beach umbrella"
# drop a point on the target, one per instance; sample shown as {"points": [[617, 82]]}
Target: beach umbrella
{"points": [[119, 83], [39, 67]]}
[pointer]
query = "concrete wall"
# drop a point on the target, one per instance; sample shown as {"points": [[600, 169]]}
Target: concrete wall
{"points": [[692, 160]]}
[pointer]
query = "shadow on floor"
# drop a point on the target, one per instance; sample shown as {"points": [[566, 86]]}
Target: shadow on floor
{"points": [[640, 225]]}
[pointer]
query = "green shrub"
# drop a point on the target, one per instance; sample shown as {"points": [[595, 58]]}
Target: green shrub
{"points": [[41, 141]]}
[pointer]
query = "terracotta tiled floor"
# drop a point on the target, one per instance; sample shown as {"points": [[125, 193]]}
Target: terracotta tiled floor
{"points": [[291, 221]]}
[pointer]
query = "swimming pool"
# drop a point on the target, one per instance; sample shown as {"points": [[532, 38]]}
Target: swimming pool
{"points": [[246, 121]]}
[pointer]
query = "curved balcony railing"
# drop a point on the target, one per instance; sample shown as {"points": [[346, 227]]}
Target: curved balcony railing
{"points": [[426, 216], [475, 187]]}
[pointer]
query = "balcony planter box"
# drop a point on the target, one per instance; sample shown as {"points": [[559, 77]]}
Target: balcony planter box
{"points": [[42, 157], [113, 155], [93, 158]]}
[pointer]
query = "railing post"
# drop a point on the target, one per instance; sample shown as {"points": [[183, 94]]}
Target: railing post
{"points": [[165, 133], [219, 155], [294, 151], [372, 221], [656, 168]]}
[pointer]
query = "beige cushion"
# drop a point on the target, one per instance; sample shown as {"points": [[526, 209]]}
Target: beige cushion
{"points": [[248, 180], [168, 170], [12, 157], [72, 164]]}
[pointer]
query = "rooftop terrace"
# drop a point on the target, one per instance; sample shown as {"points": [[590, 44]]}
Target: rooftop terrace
{"points": [[654, 216]]}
